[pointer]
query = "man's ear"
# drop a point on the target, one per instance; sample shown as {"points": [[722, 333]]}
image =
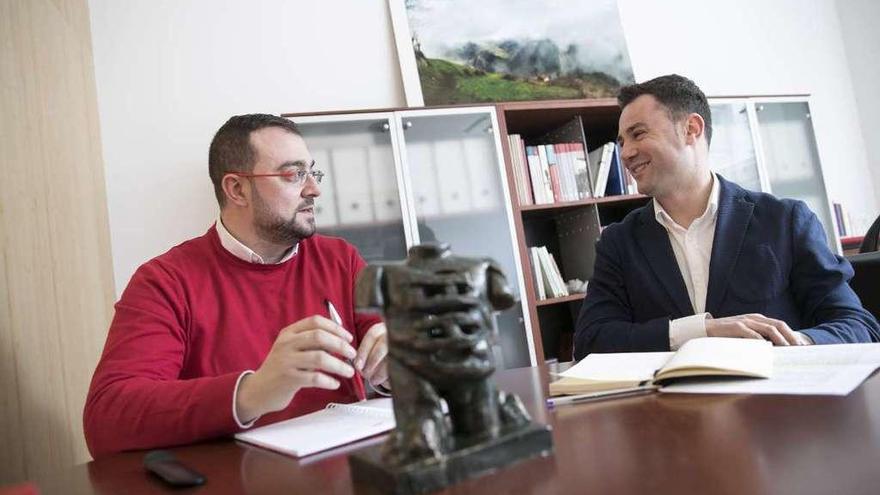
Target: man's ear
{"points": [[694, 128], [234, 189]]}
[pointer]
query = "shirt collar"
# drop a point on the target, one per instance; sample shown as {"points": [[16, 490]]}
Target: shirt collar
{"points": [[242, 252], [711, 210]]}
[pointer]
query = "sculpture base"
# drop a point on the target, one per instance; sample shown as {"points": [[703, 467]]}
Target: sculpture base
{"points": [[371, 475]]}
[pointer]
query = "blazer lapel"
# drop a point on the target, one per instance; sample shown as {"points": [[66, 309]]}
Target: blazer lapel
{"points": [[734, 214], [654, 243]]}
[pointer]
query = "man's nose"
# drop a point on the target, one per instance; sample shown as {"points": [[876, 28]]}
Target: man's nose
{"points": [[628, 152], [311, 189]]}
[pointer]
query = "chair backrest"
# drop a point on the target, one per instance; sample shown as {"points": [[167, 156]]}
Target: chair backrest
{"points": [[866, 281], [869, 243]]}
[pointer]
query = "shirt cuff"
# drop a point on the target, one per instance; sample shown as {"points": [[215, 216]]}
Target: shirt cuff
{"points": [[687, 328], [235, 395]]}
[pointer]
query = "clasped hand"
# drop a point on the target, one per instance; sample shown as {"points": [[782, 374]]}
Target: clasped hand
{"points": [[755, 326]]}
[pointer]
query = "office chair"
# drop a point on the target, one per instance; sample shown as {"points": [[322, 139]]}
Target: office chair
{"points": [[869, 243], [866, 281]]}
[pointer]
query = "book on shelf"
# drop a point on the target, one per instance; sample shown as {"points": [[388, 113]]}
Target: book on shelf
{"points": [[615, 185], [549, 173], [701, 357], [333, 426], [600, 164], [537, 274], [520, 166], [841, 215], [548, 278], [580, 170]]}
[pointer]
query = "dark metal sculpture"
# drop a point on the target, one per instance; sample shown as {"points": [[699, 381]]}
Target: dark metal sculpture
{"points": [[438, 309]]}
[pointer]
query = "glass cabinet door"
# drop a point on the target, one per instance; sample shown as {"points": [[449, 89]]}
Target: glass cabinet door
{"points": [[360, 199], [732, 150], [792, 159], [458, 196]]}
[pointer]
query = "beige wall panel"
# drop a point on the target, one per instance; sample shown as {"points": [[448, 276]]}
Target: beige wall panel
{"points": [[58, 280]]}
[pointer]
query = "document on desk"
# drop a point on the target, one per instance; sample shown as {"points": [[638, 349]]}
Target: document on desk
{"points": [[801, 370], [337, 424], [698, 358]]}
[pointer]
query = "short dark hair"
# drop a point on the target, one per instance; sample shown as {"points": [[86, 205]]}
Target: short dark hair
{"points": [[231, 148], [677, 93]]}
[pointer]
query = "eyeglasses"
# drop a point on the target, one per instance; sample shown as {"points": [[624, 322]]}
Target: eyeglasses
{"points": [[296, 177]]}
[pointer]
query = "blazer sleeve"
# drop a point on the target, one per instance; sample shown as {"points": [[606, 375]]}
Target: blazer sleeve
{"points": [[605, 323], [830, 310]]}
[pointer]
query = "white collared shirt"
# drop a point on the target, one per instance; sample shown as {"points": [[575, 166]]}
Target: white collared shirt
{"points": [[693, 253], [242, 252]]}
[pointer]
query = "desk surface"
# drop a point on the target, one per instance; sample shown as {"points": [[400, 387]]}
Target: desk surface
{"points": [[718, 444]]}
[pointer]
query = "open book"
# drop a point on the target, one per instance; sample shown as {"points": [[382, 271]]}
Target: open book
{"points": [[335, 425], [704, 357]]}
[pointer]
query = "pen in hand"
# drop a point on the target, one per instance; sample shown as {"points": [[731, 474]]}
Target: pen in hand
{"points": [[334, 315]]}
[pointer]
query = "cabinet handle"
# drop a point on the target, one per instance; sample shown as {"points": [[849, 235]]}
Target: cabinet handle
{"points": [[407, 125], [386, 127], [389, 202], [355, 206]]}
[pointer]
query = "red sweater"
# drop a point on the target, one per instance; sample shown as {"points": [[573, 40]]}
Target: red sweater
{"points": [[188, 324]]}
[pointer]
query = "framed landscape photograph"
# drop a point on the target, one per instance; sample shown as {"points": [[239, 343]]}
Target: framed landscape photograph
{"points": [[465, 51]]}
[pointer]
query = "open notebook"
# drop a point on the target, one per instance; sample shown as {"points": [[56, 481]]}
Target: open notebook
{"points": [[796, 370], [335, 425], [705, 357]]}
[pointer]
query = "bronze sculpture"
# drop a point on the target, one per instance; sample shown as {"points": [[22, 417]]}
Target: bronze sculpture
{"points": [[439, 311]]}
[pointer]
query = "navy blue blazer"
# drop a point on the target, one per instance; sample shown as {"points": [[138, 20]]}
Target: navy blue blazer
{"points": [[769, 256]]}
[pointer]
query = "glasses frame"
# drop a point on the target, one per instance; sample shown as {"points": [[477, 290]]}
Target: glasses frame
{"points": [[301, 175]]}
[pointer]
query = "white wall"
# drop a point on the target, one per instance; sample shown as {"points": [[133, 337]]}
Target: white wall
{"points": [[169, 73], [764, 47], [858, 25]]}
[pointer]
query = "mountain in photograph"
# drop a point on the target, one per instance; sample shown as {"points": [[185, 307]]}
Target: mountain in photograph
{"points": [[510, 70]]}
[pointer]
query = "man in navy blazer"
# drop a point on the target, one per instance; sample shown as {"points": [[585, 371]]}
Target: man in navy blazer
{"points": [[706, 257]]}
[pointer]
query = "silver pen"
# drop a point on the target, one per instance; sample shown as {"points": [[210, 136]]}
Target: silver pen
{"points": [[604, 394]]}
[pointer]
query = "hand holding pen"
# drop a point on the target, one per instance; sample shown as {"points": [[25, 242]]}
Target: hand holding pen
{"points": [[370, 361], [303, 355]]}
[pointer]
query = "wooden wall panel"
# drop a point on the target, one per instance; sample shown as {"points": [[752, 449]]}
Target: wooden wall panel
{"points": [[56, 284]]}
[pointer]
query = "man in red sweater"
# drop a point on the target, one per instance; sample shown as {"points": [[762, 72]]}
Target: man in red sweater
{"points": [[233, 328]]}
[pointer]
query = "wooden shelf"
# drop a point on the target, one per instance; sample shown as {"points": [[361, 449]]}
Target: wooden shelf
{"points": [[582, 202], [559, 300]]}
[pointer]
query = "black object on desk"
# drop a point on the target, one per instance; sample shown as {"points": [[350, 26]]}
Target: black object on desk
{"points": [[166, 466]]}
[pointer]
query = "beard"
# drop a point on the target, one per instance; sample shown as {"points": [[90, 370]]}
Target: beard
{"points": [[273, 228]]}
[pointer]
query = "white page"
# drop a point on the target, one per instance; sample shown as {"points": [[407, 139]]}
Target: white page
{"points": [[815, 380], [803, 370], [618, 366], [751, 355], [814, 355], [324, 429]]}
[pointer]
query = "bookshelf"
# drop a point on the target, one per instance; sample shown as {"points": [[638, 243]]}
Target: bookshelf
{"points": [[569, 229], [400, 176]]}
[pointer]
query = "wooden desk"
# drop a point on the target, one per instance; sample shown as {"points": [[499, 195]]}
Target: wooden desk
{"points": [[681, 444]]}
